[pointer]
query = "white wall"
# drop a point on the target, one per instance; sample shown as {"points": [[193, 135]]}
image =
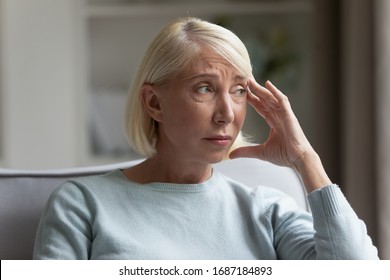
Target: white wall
{"points": [[37, 66]]}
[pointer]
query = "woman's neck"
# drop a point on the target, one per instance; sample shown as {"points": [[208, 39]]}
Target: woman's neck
{"points": [[157, 169]]}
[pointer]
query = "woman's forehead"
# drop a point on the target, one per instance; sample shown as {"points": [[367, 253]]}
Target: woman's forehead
{"points": [[208, 63]]}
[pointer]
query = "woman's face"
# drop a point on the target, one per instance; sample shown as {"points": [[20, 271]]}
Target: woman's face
{"points": [[203, 110]]}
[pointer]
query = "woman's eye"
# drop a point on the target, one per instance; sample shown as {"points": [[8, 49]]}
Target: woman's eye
{"points": [[241, 91], [204, 89], [203, 93]]}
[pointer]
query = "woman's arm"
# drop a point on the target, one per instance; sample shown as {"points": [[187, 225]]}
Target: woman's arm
{"points": [[63, 232], [339, 233]]}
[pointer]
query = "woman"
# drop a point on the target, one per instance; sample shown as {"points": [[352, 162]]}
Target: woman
{"points": [[186, 109]]}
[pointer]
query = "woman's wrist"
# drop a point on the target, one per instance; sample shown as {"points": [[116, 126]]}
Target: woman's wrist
{"points": [[312, 172]]}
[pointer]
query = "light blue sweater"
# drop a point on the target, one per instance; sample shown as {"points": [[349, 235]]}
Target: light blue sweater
{"points": [[110, 217]]}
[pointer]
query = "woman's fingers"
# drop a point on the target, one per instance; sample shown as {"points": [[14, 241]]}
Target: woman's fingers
{"points": [[269, 95], [281, 98], [263, 101], [262, 109], [247, 152], [257, 105], [262, 94]]}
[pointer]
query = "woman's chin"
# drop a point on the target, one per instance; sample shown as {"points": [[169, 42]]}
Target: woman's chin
{"points": [[218, 157]]}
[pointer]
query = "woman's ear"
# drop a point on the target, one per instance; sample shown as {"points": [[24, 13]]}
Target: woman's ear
{"points": [[151, 101]]}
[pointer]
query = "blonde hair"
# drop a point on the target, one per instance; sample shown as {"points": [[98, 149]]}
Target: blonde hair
{"points": [[174, 47]]}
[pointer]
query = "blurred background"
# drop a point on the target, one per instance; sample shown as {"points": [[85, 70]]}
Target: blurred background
{"points": [[66, 66]]}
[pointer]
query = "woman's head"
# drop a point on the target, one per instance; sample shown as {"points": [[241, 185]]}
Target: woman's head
{"points": [[173, 49]]}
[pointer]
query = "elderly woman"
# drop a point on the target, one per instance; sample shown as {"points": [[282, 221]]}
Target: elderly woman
{"points": [[185, 112]]}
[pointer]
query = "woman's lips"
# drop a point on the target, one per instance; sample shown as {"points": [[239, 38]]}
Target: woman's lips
{"points": [[222, 141]]}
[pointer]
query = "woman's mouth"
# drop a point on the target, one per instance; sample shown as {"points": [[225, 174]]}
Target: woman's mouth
{"points": [[219, 140]]}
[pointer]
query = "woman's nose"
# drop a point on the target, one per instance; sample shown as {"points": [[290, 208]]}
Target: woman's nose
{"points": [[223, 111]]}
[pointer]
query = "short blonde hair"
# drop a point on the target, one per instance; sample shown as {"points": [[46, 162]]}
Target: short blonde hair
{"points": [[174, 47]]}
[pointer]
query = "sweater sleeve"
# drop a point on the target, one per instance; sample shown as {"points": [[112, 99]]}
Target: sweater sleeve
{"points": [[64, 231], [332, 231], [339, 233]]}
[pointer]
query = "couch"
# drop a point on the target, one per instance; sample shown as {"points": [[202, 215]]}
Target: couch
{"points": [[24, 193]]}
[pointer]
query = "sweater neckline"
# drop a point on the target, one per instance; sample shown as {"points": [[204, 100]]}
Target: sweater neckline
{"points": [[173, 187]]}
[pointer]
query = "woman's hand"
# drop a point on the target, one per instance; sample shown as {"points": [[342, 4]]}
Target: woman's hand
{"points": [[286, 145]]}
